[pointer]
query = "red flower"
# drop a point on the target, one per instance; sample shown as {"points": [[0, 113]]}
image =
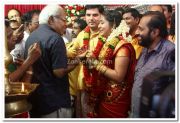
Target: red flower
{"points": [[78, 8], [70, 7], [127, 34], [71, 14]]}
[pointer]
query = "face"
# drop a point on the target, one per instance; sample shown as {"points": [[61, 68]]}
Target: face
{"points": [[92, 18], [59, 22], [166, 13], [104, 27], [34, 23], [14, 16], [130, 20], [14, 24], [143, 33], [73, 18], [75, 30]]}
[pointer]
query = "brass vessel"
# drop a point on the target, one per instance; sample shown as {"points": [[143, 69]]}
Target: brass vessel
{"points": [[15, 101], [16, 93], [17, 107]]}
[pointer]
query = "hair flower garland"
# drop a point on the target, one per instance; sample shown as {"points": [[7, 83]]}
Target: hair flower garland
{"points": [[123, 30]]}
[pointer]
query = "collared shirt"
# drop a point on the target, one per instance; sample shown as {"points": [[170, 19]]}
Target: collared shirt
{"points": [[158, 59], [18, 51], [53, 92]]}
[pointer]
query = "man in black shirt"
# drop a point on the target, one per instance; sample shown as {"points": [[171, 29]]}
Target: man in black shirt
{"points": [[51, 99]]}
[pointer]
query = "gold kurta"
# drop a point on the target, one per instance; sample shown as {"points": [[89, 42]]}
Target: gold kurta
{"points": [[137, 47], [78, 76]]}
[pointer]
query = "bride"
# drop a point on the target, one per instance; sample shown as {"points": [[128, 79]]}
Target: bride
{"points": [[110, 71]]}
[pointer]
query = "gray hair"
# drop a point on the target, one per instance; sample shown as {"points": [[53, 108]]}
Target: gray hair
{"points": [[47, 12]]}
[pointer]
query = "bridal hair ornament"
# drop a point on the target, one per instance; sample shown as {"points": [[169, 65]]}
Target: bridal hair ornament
{"points": [[122, 29]]}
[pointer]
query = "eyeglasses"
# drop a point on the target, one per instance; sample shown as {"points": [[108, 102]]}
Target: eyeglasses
{"points": [[35, 22], [63, 19]]}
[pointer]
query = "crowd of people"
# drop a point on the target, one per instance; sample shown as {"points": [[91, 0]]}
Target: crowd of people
{"points": [[96, 68]]}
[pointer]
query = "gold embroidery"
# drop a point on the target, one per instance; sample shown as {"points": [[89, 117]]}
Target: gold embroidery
{"points": [[115, 91]]}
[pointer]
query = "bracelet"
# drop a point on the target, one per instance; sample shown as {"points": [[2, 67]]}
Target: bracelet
{"points": [[29, 72], [99, 66], [103, 69]]}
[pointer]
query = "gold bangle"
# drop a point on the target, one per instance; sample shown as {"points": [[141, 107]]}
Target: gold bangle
{"points": [[103, 69], [98, 66], [29, 72]]}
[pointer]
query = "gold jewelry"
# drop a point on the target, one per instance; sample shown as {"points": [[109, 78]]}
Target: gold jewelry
{"points": [[98, 66], [103, 69], [29, 72], [95, 62]]}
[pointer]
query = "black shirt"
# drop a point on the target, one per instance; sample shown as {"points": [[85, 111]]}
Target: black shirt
{"points": [[53, 92]]}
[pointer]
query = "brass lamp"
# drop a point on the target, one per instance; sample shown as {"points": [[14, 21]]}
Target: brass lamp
{"points": [[16, 93]]}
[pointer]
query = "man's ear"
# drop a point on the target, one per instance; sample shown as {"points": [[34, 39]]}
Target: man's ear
{"points": [[137, 20], [156, 32], [51, 20]]}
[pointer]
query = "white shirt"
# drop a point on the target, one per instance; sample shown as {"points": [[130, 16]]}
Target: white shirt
{"points": [[68, 36], [18, 51]]}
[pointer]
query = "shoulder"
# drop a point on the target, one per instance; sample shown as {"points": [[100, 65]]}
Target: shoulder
{"points": [[79, 39], [124, 48], [81, 34], [168, 45], [123, 51]]}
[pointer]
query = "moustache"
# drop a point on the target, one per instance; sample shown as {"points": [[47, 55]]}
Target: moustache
{"points": [[137, 35]]}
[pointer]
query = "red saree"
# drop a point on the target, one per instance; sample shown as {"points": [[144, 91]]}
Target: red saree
{"points": [[116, 101]]}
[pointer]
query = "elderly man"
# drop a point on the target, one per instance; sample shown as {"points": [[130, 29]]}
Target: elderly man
{"points": [[156, 55], [51, 99]]}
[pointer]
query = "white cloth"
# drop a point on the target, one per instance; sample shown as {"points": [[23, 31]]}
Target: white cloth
{"points": [[60, 113], [18, 51], [68, 36]]}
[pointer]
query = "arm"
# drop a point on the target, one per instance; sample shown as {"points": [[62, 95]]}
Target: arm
{"points": [[62, 71], [71, 65], [73, 57], [74, 46], [121, 66], [34, 53], [62, 64]]}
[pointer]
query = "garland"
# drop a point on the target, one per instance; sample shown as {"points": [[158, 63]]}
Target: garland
{"points": [[88, 74], [105, 55]]}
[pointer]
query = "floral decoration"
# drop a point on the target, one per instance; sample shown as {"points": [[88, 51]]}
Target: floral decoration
{"points": [[73, 11]]}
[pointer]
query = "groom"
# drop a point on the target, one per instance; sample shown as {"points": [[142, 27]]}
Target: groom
{"points": [[86, 40]]}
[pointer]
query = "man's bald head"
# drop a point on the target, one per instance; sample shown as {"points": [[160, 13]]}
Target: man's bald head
{"points": [[156, 8]]}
